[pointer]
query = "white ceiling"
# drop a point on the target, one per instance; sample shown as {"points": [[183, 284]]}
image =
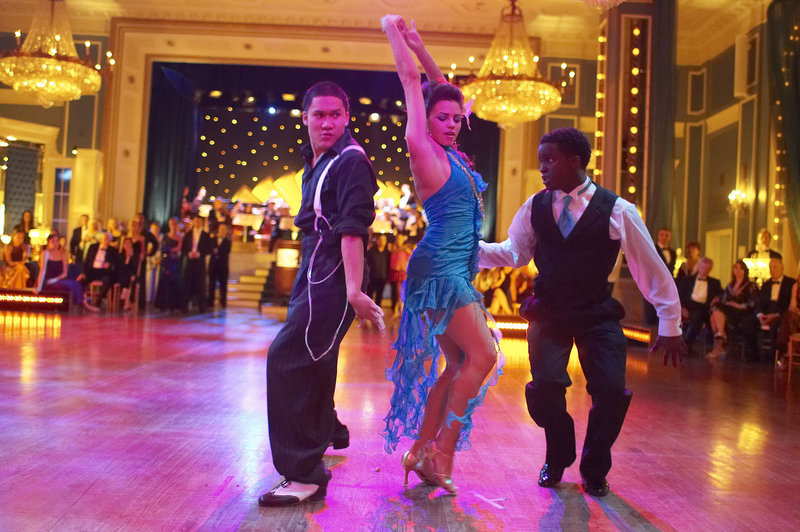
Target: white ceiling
{"points": [[568, 28]]}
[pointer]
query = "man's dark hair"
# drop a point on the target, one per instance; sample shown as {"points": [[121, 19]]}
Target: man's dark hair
{"points": [[325, 88], [665, 229], [571, 142]]}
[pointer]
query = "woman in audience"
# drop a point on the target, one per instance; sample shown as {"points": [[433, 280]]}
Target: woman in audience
{"points": [[25, 227], [127, 269], [735, 310], [15, 273], [112, 228], [53, 273], [152, 261], [501, 290], [168, 293], [689, 267]]}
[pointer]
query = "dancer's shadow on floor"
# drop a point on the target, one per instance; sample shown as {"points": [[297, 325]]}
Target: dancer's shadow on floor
{"points": [[425, 507], [570, 511]]}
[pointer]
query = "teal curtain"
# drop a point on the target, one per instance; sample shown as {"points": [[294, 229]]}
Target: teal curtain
{"points": [[783, 53], [171, 144]]}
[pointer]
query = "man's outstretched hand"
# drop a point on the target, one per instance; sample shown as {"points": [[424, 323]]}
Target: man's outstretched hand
{"points": [[674, 348]]}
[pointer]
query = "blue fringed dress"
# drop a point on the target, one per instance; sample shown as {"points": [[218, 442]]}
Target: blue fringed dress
{"points": [[440, 274]]}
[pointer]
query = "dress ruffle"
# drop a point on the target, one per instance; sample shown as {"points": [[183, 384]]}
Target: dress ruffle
{"points": [[429, 306]]}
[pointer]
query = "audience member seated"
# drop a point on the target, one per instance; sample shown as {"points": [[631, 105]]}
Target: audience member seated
{"points": [[15, 271], [762, 250], [127, 270], [734, 312], [522, 283], [697, 292], [501, 291], [53, 273], [99, 265], [773, 303], [791, 321], [689, 266]]}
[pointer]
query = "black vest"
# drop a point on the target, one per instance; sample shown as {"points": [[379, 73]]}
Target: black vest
{"points": [[573, 272]]}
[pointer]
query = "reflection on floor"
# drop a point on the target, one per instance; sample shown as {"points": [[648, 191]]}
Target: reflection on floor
{"points": [[159, 423]]}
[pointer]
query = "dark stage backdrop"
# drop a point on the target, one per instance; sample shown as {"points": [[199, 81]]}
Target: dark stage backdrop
{"points": [[251, 129]]}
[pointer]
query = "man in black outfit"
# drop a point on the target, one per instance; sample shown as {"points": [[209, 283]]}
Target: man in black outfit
{"points": [[574, 230], [78, 235], [773, 302], [378, 259], [196, 246], [218, 266], [335, 215], [697, 292], [669, 257], [101, 259]]}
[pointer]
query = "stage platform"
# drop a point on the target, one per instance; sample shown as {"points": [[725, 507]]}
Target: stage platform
{"points": [[158, 423]]}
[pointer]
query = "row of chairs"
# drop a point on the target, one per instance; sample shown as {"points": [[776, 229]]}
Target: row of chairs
{"points": [[114, 295]]}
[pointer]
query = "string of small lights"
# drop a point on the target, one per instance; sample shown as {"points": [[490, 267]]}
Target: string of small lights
{"points": [[600, 106], [633, 152]]}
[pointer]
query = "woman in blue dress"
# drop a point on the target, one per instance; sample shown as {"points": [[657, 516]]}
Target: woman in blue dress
{"points": [[53, 274], [442, 313]]}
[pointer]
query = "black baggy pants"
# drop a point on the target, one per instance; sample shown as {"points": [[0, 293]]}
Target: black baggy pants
{"points": [[602, 350], [300, 389]]}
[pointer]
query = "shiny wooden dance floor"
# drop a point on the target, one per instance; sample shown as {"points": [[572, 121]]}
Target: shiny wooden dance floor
{"points": [[159, 423]]}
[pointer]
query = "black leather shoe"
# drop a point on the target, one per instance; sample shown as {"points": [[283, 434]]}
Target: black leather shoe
{"points": [[289, 493], [596, 487], [550, 475]]}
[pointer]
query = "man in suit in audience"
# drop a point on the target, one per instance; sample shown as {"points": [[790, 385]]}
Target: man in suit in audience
{"points": [[218, 266], [669, 256], [197, 245], [762, 250], [101, 259], [76, 243], [696, 293], [773, 302]]}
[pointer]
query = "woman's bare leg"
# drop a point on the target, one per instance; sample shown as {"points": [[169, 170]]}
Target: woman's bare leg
{"points": [[718, 322], [435, 406], [467, 330]]}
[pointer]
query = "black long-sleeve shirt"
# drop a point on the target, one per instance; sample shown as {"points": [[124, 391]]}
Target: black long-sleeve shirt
{"points": [[347, 193]]}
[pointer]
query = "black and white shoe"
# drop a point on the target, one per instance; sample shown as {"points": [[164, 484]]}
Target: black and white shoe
{"points": [[289, 493]]}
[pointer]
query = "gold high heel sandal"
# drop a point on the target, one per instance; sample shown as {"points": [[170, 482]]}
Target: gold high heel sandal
{"points": [[441, 479], [411, 463]]}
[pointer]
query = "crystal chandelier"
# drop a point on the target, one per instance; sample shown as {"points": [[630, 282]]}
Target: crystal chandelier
{"points": [[509, 89], [603, 4], [47, 65]]}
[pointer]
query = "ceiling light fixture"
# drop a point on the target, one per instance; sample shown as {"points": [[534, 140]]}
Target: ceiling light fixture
{"points": [[509, 89], [47, 65]]}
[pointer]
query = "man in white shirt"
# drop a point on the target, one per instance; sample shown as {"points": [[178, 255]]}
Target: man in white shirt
{"points": [[773, 302], [196, 246], [574, 231]]}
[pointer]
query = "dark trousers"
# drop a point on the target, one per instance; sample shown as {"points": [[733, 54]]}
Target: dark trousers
{"points": [[375, 289], [602, 349], [300, 389], [699, 316], [92, 274], [194, 283], [218, 273]]}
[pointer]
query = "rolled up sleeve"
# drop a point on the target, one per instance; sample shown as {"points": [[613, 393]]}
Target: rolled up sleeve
{"points": [[355, 188]]}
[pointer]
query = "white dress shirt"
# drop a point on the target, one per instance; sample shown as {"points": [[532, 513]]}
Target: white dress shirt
{"points": [[196, 238], [644, 262], [776, 289], [700, 290], [99, 259]]}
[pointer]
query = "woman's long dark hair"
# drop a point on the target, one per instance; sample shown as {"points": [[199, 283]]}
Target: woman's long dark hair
{"points": [[440, 90], [741, 263]]}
